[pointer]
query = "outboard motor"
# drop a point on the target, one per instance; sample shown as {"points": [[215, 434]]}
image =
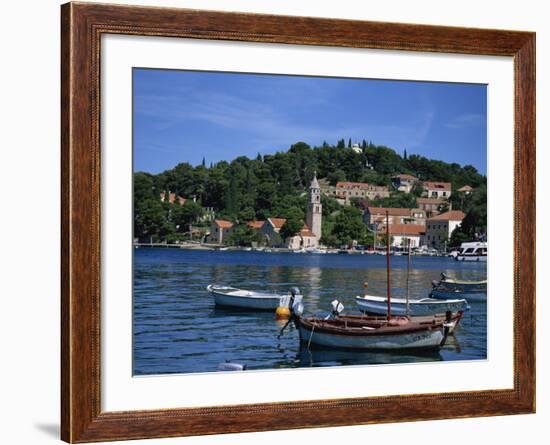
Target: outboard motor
{"points": [[295, 305], [337, 308], [435, 284]]}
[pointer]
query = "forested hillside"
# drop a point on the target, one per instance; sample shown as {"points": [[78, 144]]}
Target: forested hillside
{"points": [[273, 186]]}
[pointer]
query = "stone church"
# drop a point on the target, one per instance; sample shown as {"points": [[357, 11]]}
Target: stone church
{"points": [[311, 233]]}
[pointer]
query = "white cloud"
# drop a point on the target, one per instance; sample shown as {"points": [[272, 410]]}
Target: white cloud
{"points": [[465, 120]]}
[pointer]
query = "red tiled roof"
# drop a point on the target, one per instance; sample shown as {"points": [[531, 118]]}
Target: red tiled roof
{"points": [[306, 231], [391, 211], [407, 229], [451, 215], [223, 223], [255, 224], [277, 222], [437, 185], [429, 201]]}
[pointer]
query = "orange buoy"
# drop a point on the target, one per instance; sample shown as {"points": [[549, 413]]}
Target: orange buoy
{"points": [[282, 313]]}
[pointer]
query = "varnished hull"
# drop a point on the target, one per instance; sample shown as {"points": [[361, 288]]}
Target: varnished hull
{"points": [[428, 338]]}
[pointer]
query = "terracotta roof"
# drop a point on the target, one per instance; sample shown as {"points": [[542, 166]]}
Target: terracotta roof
{"points": [[391, 211], [451, 215], [429, 201], [223, 223], [277, 222], [306, 231], [407, 229], [404, 176], [466, 188], [255, 224], [437, 185]]}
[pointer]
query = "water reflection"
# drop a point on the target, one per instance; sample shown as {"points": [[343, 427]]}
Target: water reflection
{"points": [[178, 329]]}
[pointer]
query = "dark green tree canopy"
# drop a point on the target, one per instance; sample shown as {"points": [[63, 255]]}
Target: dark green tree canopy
{"points": [[245, 189]]}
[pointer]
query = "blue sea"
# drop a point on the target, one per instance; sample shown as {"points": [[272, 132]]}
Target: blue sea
{"points": [[178, 329]]}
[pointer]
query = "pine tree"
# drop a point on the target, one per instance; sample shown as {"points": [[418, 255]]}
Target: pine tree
{"points": [[405, 154], [203, 161], [349, 143]]}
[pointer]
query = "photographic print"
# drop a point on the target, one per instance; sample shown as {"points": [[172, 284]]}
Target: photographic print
{"points": [[295, 221]]}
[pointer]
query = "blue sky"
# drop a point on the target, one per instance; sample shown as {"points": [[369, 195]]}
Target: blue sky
{"points": [[183, 116]]}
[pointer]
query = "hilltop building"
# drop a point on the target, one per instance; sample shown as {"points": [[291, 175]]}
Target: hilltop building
{"points": [[404, 182], [172, 198], [440, 227], [466, 189], [343, 192], [437, 189]]}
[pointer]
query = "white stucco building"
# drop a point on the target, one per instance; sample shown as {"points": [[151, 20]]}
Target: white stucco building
{"points": [[440, 227]]}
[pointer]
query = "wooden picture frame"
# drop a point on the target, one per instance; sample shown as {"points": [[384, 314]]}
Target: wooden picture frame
{"points": [[82, 26]]}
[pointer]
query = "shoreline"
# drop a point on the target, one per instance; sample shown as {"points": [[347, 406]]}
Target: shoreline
{"points": [[321, 251]]}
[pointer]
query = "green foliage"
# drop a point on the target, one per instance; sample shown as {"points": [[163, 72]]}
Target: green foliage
{"points": [[396, 199], [272, 185], [242, 235], [348, 226], [474, 225], [294, 222], [184, 215]]}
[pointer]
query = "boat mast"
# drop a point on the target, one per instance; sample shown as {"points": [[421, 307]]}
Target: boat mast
{"points": [[388, 262], [408, 270]]}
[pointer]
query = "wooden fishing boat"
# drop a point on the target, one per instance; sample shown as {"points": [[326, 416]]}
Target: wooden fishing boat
{"points": [[240, 298], [397, 333], [453, 320], [372, 304], [449, 288]]}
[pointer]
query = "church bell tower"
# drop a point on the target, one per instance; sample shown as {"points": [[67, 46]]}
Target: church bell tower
{"points": [[314, 207]]}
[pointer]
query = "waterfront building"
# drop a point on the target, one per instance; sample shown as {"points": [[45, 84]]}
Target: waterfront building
{"points": [[440, 227], [220, 229], [255, 225], [404, 182], [437, 189], [400, 233]]}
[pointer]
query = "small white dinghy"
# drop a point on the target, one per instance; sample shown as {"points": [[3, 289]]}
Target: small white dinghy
{"points": [[422, 306], [240, 298]]}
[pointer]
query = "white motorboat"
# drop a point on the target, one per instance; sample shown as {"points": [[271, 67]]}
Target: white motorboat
{"points": [[240, 298], [475, 251], [372, 304]]}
